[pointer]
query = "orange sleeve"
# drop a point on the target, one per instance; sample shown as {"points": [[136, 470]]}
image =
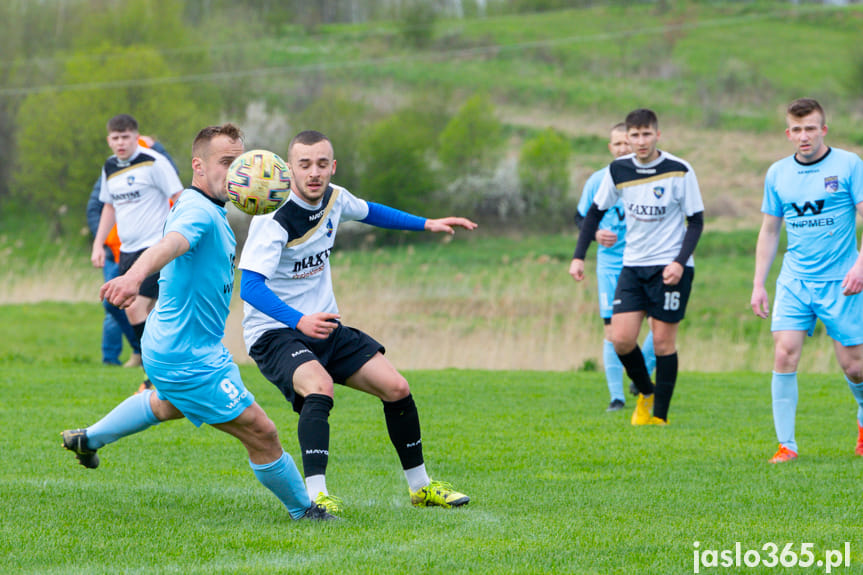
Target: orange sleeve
{"points": [[113, 242]]}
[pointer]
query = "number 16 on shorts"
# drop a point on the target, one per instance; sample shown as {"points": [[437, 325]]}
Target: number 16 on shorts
{"points": [[769, 556]]}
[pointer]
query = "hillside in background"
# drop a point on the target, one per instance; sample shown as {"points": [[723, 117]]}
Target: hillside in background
{"points": [[395, 96]]}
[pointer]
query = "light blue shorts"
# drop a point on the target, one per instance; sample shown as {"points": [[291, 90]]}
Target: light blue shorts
{"points": [[606, 282], [208, 393], [799, 303]]}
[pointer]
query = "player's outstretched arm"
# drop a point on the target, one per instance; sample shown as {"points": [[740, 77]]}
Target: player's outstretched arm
{"points": [[447, 224], [122, 290]]}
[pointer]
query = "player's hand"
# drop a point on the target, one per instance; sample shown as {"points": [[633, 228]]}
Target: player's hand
{"points": [[318, 325], [853, 282], [447, 224], [97, 256], [120, 291], [759, 303], [576, 269], [672, 273], [606, 238]]}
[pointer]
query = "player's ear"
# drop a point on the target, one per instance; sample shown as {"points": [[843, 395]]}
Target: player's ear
{"points": [[334, 167], [197, 163]]}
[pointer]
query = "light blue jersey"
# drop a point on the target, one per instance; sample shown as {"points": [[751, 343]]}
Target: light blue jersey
{"points": [[607, 259], [818, 202], [188, 323]]}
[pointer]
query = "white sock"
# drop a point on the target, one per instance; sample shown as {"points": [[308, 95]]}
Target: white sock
{"points": [[316, 484], [417, 477]]}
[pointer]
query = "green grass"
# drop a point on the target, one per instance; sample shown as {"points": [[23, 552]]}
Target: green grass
{"points": [[702, 62], [557, 485]]}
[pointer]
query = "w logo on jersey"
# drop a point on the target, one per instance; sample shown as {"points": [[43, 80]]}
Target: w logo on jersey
{"points": [[130, 180], [658, 191], [808, 206], [831, 183]]}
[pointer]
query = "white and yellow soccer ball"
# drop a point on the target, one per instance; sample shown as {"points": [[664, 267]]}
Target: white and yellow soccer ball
{"points": [[258, 182]]}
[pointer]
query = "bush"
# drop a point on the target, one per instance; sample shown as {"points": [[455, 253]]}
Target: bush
{"points": [[543, 173], [471, 138]]}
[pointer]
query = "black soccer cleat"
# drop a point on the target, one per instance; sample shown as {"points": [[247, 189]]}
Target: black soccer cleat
{"points": [[75, 440], [318, 512]]}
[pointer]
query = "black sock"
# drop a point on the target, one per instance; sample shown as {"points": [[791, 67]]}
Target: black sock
{"points": [[666, 378], [313, 431], [139, 332], [403, 425], [636, 370]]}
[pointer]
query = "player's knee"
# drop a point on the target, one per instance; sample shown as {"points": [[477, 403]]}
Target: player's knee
{"points": [[398, 388]]}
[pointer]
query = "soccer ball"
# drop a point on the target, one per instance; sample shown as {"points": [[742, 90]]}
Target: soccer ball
{"points": [[258, 182]]}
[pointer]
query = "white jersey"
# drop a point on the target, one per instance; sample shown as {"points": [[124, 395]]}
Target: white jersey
{"points": [[291, 248], [139, 189], [657, 198]]}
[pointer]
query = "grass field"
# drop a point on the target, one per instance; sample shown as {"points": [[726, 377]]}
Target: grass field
{"points": [[557, 485]]}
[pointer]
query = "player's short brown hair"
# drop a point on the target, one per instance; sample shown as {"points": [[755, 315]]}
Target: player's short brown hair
{"points": [[802, 107], [206, 135], [641, 118], [122, 123]]}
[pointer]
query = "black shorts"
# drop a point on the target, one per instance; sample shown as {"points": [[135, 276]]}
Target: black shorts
{"points": [[279, 352], [641, 289], [150, 286]]}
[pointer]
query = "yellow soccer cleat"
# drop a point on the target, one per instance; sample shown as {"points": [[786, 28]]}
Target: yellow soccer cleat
{"points": [[438, 493], [783, 454], [329, 502], [642, 413]]}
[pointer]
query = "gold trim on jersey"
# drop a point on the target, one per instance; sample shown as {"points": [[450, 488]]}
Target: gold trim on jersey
{"points": [[321, 219], [131, 167], [655, 178]]}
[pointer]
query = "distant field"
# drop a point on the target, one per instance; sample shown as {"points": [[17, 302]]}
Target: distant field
{"points": [[475, 302], [557, 484]]}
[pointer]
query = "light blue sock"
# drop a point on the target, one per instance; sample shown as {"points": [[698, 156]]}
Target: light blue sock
{"points": [[134, 414], [857, 390], [784, 391], [649, 354], [284, 480], [613, 371]]}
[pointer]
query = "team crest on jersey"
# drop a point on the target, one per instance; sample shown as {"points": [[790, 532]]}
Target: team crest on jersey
{"points": [[130, 180], [831, 183], [329, 228], [658, 191]]}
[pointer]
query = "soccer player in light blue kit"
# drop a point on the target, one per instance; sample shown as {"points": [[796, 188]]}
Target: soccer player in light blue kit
{"points": [[818, 191], [182, 346], [609, 262]]}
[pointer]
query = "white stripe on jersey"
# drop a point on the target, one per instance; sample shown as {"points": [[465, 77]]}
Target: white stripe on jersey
{"points": [[657, 198], [291, 248]]}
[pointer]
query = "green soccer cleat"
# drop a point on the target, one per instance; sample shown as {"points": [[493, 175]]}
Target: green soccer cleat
{"points": [[75, 440], [331, 503], [438, 493]]}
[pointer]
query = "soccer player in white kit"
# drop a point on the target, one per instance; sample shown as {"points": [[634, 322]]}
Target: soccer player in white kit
{"points": [[611, 236], [292, 328], [664, 220], [818, 192]]}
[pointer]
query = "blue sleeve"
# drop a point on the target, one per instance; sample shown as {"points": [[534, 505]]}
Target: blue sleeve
{"points": [[254, 290], [386, 217], [94, 207]]}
